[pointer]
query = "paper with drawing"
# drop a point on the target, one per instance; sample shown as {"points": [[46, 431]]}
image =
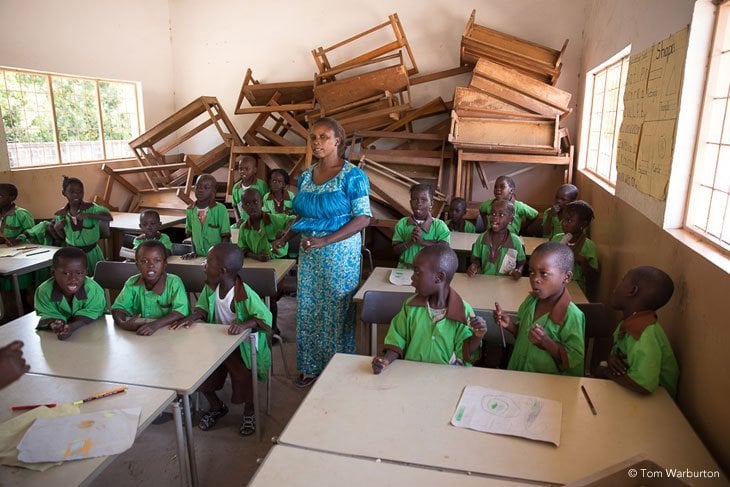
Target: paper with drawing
{"points": [[79, 436], [504, 413], [401, 277]]}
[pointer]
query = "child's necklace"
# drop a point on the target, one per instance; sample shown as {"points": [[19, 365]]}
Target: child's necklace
{"points": [[494, 249]]}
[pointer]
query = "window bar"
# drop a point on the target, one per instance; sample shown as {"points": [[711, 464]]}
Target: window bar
{"points": [[55, 120], [101, 120]]}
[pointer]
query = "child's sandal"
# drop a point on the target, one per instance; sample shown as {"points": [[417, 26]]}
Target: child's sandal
{"points": [[210, 418], [248, 425], [304, 380]]}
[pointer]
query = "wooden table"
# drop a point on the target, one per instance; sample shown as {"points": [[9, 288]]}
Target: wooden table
{"points": [[280, 266], [130, 221], [300, 467], [462, 242], [403, 415], [40, 389], [170, 359], [37, 258]]}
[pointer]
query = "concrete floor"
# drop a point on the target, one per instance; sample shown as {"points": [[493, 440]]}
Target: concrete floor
{"points": [[224, 457]]}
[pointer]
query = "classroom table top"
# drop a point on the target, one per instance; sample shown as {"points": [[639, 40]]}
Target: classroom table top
{"points": [[24, 263], [130, 221], [169, 359], [40, 389], [462, 242], [480, 291], [281, 266], [404, 414], [299, 467]]}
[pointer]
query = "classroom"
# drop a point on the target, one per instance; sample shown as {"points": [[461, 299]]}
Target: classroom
{"points": [[104, 93]]}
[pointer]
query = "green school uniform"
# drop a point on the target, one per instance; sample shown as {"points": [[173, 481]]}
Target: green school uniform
{"points": [[522, 212], [210, 232], [89, 301], [166, 296], [38, 234], [433, 229], [587, 250], [13, 225], [237, 195], [413, 335], [248, 305], [512, 247], [468, 227], [85, 233], [162, 237], [564, 324], [258, 240], [555, 225], [270, 205], [641, 341]]}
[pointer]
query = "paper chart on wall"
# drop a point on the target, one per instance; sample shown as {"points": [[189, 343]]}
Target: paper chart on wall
{"points": [[79, 436], [504, 413]]}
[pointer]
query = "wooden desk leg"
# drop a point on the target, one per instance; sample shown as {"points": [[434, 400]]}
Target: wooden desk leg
{"points": [[256, 407], [181, 454], [18, 297], [189, 438]]}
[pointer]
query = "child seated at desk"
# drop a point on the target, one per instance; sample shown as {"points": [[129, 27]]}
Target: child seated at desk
{"points": [[261, 229], [456, 221], [70, 299], [149, 223], [436, 325], [420, 230], [153, 298], [550, 328], [498, 251], [641, 358], [207, 220], [504, 189], [279, 198], [14, 221], [551, 219], [577, 216], [227, 300], [247, 167]]}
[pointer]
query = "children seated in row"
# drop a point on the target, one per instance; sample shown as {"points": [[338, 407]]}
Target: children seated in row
{"points": [[81, 223], [577, 216], [549, 330], [504, 189], [641, 358], [436, 325], [553, 216], [498, 251], [206, 221], [227, 300], [149, 223], [247, 167], [153, 298], [261, 229], [70, 299], [420, 229], [456, 221], [279, 198]]}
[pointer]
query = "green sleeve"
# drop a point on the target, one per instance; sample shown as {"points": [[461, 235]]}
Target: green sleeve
{"points": [[179, 295], [225, 221], [476, 248], [165, 239], [529, 212], [401, 233], [518, 247], [95, 300], [44, 307], [26, 220], [485, 207], [645, 360], [189, 213], [572, 338], [236, 194], [242, 240], [589, 251], [204, 303], [262, 187], [398, 334], [463, 333], [469, 227], [254, 307], [127, 299], [442, 231]]}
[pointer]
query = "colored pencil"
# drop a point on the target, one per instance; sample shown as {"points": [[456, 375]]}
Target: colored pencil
{"points": [[590, 403], [100, 395]]}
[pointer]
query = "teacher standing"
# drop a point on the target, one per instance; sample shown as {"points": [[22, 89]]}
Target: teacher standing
{"points": [[332, 207]]}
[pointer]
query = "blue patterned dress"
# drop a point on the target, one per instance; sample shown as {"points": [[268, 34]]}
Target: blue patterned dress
{"points": [[327, 276]]}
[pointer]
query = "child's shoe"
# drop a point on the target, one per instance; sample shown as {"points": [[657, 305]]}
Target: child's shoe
{"points": [[248, 425], [210, 418]]}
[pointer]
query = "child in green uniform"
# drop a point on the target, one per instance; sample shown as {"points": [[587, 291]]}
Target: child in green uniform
{"points": [[419, 230], [279, 198], [550, 328], [14, 221], [247, 167], [70, 299], [551, 226], [81, 224], [261, 229], [41, 233], [227, 300], [641, 358], [456, 222], [149, 223], [498, 251], [504, 189], [577, 216], [436, 325], [207, 220], [153, 298]]}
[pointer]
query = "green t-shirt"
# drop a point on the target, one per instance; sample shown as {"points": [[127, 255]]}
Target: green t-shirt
{"points": [[155, 303], [237, 195], [650, 359], [413, 333], [89, 301], [403, 230], [209, 233], [556, 225], [163, 238], [587, 250], [570, 334], [269, 203], [522, 212], [468, 227], [513, 248], [86, 231], [15, 222], [259, 240]]}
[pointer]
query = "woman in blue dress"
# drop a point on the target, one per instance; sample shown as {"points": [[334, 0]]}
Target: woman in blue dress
{"points": [[332, 207]]}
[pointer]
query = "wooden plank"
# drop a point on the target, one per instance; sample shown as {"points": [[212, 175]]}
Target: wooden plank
{"points": [[446, 73], [166, 148], [434, 107], [342, 92], [274, 137], [559, 160], [466, 99], [514, 97], [135, 170], [515, 45], [172, 123], [271, 149], [382, 134]]}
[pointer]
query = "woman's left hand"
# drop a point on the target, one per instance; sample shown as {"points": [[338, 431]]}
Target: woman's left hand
{"points": [[312, 243]]}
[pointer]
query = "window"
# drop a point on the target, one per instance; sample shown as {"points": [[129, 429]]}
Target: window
{"points": [[708, 213], [55, 119], [602, 117]]}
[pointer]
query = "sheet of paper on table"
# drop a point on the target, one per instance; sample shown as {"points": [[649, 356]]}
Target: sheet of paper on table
{"points": [[504, 413], [401, 277], [79, 436]]}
